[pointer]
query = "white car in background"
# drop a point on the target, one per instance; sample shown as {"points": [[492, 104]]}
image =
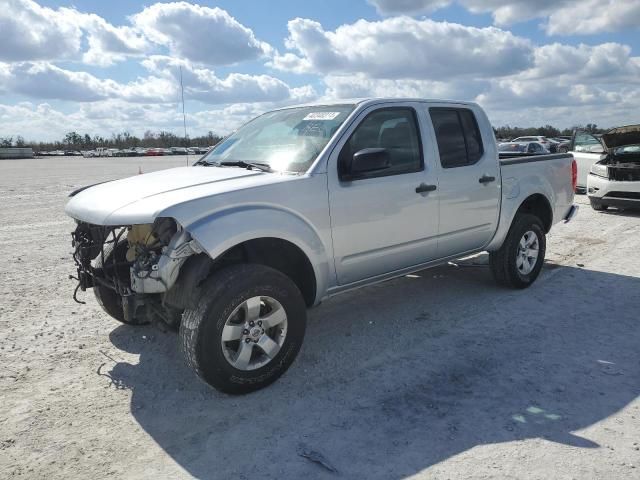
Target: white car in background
{"points": [[587, 150], [614, 181]]}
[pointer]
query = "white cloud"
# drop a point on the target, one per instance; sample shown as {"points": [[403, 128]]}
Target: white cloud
{"points": [[569, 85], [594, 16], [403, 47], [565, 17], [44, 80], [607, 62], [32, 32], [47, 81], [42, 122], [203, 84], [108, 44], [360, 85], [200, 34]]}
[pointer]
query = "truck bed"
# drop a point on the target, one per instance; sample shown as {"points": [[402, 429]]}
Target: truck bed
{"points": [[516, 158]]}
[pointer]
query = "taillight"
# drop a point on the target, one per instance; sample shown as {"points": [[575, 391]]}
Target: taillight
{"points": [[574, 174]]}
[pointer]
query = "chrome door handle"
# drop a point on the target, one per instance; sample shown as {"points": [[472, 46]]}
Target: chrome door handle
{"points": [[487, 179], [424, 188]]}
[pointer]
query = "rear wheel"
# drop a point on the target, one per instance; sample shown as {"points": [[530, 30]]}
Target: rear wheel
{"points": [[110, 300], [246, 330], [518, 262]]}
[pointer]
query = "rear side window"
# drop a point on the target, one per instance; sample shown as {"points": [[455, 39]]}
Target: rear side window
{"points": [[458, 136]]}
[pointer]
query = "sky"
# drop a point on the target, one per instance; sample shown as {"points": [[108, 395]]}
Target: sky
{"points": [[101, 67]]}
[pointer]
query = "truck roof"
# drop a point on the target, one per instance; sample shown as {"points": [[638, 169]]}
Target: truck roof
{"points": [[375, 100]]}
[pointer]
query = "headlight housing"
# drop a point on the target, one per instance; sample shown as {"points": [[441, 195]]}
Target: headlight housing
{"points": [[600, 170]]}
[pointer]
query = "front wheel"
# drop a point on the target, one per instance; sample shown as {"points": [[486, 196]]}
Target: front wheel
{"points": [[246, 330], [597, 206], [518, 262]]}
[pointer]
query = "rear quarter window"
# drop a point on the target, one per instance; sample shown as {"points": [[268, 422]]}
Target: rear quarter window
{"points": [[458, 136]]}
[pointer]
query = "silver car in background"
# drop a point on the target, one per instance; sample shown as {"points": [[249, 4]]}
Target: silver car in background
{"points": [[542, 140], [520, 148]]}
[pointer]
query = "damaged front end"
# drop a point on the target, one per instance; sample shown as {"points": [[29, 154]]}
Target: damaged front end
{"points": [[139, 263], [622, 161]]}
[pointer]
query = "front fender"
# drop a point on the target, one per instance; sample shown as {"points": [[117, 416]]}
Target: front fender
{"points": [[225, 229]]}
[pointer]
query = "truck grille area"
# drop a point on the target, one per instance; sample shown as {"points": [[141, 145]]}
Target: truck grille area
{"points": [[627, 172], [92, 245]]}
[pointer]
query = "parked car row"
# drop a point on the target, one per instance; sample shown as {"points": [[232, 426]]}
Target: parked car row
{"points": [[608, 165], [126, 152], [551, 145]]}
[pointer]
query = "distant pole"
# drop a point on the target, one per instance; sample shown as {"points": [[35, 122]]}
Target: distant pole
{"points": [[184, 118]]}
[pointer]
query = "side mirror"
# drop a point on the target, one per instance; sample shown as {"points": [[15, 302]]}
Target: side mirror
{"points": [[596, 149], [365, 161]]}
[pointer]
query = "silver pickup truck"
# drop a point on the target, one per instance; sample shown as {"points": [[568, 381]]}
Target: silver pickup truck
{"points": [[303, 203]]}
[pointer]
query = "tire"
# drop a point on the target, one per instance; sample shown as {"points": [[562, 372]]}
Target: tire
{"points": [[510, 265], [108, 299], [225, 305], [597, 206]]}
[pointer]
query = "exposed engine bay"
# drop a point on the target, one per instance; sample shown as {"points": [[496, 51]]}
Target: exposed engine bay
{"points": [[140, 263], [623, 159], [624, 164]]}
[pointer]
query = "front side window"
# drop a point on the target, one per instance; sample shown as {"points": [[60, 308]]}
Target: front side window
{"points": [[284, 140], [458, 136], [394, 129]]}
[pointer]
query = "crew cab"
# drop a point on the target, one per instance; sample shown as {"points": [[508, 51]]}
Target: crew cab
{"points": [[614, 181], [303, 203]]}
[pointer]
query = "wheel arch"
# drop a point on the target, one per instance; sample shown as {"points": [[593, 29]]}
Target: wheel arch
{"points": [[535, 203], [256, 236], [538, 205]]}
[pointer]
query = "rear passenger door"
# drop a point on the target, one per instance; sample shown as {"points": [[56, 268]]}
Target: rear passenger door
{"points": [[469, 180]]}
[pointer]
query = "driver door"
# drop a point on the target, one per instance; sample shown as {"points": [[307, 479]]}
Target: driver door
{"points": [[384, 220]]}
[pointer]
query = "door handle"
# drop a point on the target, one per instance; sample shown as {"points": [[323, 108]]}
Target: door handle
{"points": [[487, 179], [424, 188]]}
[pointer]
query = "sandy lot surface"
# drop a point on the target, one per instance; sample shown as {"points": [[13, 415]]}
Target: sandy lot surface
{"points": [[444, 375]]}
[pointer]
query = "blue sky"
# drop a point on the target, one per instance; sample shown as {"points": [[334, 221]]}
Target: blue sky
{"points": [[108, 66]]}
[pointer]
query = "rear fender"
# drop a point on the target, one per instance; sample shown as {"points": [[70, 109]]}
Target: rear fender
{"points": [[514, 193]]}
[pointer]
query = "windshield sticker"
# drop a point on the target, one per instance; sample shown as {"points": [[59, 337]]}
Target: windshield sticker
{"points": [[321, 116]]}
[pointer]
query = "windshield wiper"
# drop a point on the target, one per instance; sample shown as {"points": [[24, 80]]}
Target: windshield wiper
{"points": [[241, 163]]}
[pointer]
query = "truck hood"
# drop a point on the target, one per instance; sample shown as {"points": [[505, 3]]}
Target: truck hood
{"points": [[620, 136], [139, 199]]}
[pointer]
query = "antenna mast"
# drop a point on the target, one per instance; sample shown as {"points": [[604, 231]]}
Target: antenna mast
{"points": [[184, 118]]}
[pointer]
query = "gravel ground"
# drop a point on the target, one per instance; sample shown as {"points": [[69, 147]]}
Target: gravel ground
{"points": [[439, 375]]}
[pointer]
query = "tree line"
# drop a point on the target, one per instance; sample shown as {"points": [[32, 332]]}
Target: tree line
{"points": [[76, 141], [163, 139]]}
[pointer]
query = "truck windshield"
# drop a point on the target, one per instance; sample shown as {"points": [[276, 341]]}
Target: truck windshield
{"points": [[286, 140]]}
